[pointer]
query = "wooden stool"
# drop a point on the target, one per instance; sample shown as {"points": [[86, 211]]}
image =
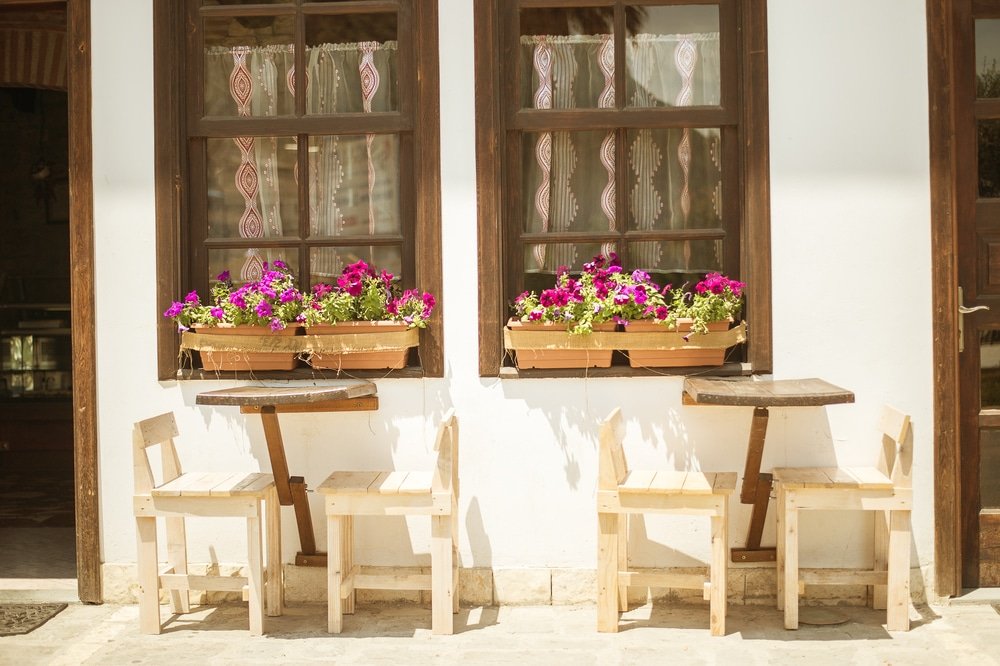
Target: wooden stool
{"points": [[621, 491], [395, 493], [887, 490], [214, 494]]}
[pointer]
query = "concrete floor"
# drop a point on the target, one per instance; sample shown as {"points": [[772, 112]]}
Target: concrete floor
{"points": [[108, 635]]}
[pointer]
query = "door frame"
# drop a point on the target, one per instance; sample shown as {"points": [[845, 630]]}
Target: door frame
{"points": [[81, 257], [944, 274]]}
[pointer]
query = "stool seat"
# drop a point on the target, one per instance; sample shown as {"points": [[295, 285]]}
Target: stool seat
{"points": [[677, 483], [847, 478], [216, 484]]}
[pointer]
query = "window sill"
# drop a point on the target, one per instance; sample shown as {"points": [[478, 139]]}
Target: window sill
{"points": [[725, 370], [188, 374]]}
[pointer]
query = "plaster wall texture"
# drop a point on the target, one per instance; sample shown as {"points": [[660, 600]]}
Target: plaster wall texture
{"points": [[851, 293]]}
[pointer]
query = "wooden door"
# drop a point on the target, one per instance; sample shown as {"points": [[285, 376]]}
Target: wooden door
{"points": [[977, 143]]}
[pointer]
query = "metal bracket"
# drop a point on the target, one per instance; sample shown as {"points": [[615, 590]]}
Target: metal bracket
{"points": [[962, 311]]}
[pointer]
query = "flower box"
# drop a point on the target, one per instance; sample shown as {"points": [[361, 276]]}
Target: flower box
{"points": [[547, 345], [368, 336], [241, 355], [700, 350]]}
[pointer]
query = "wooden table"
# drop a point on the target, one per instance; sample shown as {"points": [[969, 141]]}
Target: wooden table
{"points": [[347, 396], [756, 487]]}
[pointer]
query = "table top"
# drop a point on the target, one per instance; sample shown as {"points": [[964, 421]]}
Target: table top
{"points": [[259, 396], [810, 392]]}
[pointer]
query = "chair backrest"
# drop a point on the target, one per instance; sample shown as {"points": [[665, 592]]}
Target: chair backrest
{"points": [[149, 432], [896, 459], [446, 445], [611, 464]]}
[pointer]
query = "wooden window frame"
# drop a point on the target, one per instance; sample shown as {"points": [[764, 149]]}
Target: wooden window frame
{"points": [[493, 122], [180, 257]]}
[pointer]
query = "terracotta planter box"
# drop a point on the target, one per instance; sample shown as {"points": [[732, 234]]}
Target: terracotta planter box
{"points": [[359, 360], [674, 358], [247, 360], [560, 358]]}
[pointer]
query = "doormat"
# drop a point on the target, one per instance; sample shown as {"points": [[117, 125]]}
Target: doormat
{"points": [[21, 618]]}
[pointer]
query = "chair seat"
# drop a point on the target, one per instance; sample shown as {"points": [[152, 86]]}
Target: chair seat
{"points": [[677, 483], [377, 483], [853, 478], [216, 484]]}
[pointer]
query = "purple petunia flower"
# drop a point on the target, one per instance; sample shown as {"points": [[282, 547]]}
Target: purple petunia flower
{"points": [[263, 309], [217, 313], [192, 298]]}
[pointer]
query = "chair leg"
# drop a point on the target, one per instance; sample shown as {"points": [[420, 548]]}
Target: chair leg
{"points": [[779, 522], [149, 578], [180, 601], [898, 614], [623, 520], [454, 560], [719, 569], [334, 574], [791, 579], [274, 585], [442, 592], [255, 575], [879, 592], [607, 571], [347, 553]]}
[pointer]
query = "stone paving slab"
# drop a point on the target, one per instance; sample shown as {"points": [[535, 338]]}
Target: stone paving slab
{"points": [[524, 635]]}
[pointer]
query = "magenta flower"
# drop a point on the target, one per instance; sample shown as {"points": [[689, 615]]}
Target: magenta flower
{"points": [[175, 309], [218, 313], [192, 298], [223, 276], [264, 310]]}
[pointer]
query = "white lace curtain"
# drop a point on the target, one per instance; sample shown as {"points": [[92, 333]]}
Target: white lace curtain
{"points": [[353, 179], [674, 175]]}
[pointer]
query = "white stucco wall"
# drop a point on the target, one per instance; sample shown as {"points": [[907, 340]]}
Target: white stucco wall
{"points": [[851, 293]]}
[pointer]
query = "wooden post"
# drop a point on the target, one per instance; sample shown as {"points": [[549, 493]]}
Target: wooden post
{"points": [[755, 454], [303, 517]]}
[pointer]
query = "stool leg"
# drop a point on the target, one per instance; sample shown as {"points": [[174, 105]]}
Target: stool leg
{"points": [[180, 601], [791, 580], [334, 574], [149, 578], [255, 575], [275, 583], [347, 553], [623, 521], [898, 615], [441, 576], [879, 592], [607, 572], [719, 568], [779, 523], [454, 559]]}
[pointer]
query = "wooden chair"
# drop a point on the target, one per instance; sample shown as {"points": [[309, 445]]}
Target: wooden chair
{"points": [[887, 490], [215, 494], [620, 492], [396, 493]]}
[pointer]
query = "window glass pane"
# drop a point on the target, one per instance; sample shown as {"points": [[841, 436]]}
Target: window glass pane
{"points": [[555, 255], [672, 56], [989, 158], [675, 262], [674, 179], [328, 262], [249, 66], [989, 468], [568, 182], [989, 363], [251, 187], [245, 265], [567, 58], [354, 185], [987, 55], [351, 63]]}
